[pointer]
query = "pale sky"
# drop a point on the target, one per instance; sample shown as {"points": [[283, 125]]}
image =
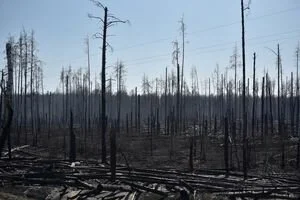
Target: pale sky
{"points": [[145, 46]]}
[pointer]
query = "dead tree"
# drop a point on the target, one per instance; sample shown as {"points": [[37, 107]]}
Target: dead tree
{"points": [[245, 164], [72, 155], [279, 76], [108, 21], [67, 109], [182, 29], [166, 99], [226, 147], [8, 99], [34, 143], [234, 65], [89, 84], [139, 113], [176, 63], [292, 107], [113, 152], [254, 96], [268, 89], [25, 86], [298, 105], [262, 108], [191, 159], [49, 114], [120, 73]]}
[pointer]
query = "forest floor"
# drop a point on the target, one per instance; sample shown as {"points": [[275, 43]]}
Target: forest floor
{"points": [[148, 170]]}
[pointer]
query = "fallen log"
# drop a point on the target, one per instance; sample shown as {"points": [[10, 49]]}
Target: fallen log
{"points": [[136, 186]]}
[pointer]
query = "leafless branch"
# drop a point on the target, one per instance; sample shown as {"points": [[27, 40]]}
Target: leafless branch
{"points": [[95, 17], [98, 35], [272, 50], [97, 3]]}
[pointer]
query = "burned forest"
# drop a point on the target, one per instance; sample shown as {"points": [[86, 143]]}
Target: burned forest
{"points": [[99, 133]]}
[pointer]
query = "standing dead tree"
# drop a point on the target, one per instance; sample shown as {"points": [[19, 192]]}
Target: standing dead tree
{"points": [[183, 33], [8, 98], [72, 154], [108, 21], [175, 56], [279, 101], [298, 104], [120, 73], [254, 96], [244, 111], [235, 65]]}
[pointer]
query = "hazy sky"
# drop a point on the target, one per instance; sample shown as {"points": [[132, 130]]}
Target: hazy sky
{"points": [[145, 46]]}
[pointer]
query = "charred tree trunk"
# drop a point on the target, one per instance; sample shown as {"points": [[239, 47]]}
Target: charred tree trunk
{"points": [[139, 113], [8, 101], [226, 147], [254, 96], [292, 107], [262, 108], [298, 107], [268, 85], [191, 162], [103, 89], [72, 155], [245, 164], [25, 89], [113, 153]]}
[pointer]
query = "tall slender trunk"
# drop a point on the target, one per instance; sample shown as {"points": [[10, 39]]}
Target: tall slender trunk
{"points": [[25, 89], [244, 96], [20, 91], [166, 99], [178, 99], [298, 107], [31, 90], [292, 107], [89, 79], [8, 102], [254, 95], [103, 89], [278, 106], [262, 108], [268, 86]]}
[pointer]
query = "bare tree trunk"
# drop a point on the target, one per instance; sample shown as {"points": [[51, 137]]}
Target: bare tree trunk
{"points": [[279, 109], [262, 108], [244, 97], [20, 87], [8, 101], [178, 100], [31, 90], [67, 108], [139, 113], [49, 115], [268, 85], [72, 155], [136, 109], [103, 88], [191, 160], [298, 107], [89, 92], [254, 96], [25, 88], [182, 72], [113, 153], [226, 147], [292, 107], [166, 99]]}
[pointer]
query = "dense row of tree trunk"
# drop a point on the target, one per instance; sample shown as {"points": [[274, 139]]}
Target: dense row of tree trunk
{"points": [[165, 106]]}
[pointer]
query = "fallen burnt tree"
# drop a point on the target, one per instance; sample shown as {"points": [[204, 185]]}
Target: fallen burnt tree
{"points": [[82, 179]]}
